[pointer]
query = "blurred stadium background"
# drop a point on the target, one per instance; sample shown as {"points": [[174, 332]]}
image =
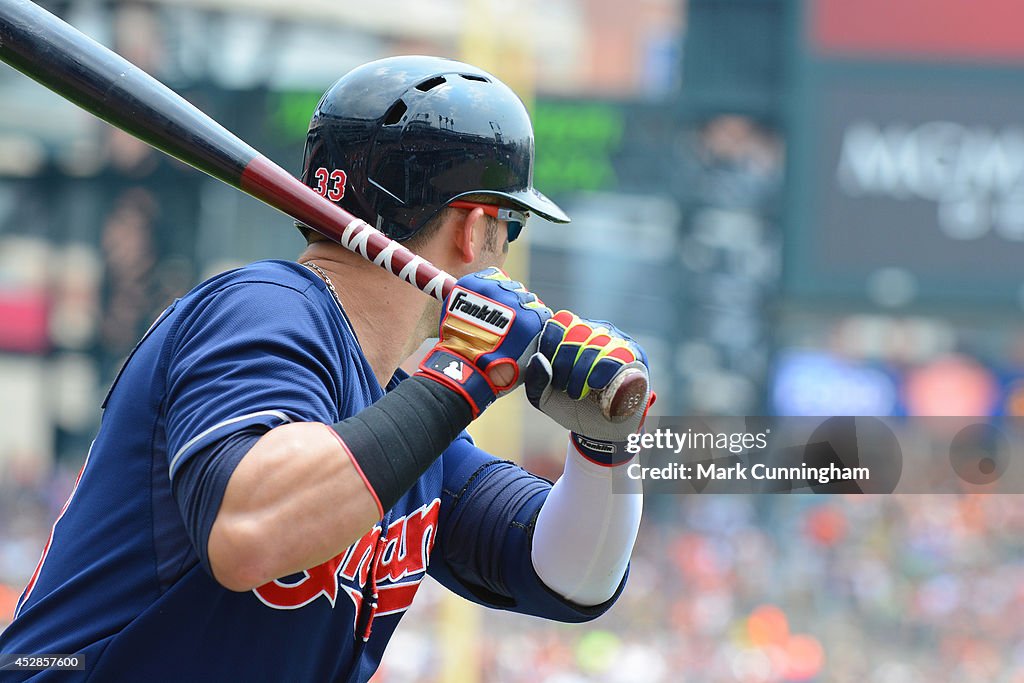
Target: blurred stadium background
{"points": [[801, 207]]}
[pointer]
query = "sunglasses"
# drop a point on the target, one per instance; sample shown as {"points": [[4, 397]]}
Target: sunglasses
{"points": [[515, 220]]}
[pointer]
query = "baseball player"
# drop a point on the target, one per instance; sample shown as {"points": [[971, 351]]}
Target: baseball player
{"points": [[268, 489]]}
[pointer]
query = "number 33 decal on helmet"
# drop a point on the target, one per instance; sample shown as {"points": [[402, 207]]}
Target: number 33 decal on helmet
{"points": [[330, 184]]}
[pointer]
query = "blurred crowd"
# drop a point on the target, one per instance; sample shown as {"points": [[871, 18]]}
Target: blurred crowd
{"points": [[778, 589]]}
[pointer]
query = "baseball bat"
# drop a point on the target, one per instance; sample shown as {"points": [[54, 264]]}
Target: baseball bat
{"points": [[50, 51]]}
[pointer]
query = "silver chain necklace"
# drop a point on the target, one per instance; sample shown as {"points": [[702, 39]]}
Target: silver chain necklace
{"points": [[334, 293]]}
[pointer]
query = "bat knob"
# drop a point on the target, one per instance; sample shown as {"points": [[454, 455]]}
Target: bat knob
{"points": [[624, 396]]}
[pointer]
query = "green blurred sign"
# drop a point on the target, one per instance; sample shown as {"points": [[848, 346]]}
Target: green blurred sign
{"points": [[576, 143], [289, 114]]}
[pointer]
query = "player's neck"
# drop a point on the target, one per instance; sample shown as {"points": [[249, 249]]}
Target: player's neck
{"points": [[385, 312]]}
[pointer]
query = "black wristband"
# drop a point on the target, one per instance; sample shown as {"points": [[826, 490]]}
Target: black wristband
{"points": [[397, 438], [603, 453]]}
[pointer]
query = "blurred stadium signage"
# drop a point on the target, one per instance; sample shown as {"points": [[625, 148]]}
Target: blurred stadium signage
{"points": [[577, 141], [904, 167], [982, 30], [972, 173]]}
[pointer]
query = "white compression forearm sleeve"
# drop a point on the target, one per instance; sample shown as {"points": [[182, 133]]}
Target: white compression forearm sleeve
{"points": [[584, 534]]}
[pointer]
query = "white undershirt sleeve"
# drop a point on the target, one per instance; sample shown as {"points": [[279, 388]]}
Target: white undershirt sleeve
{"points": [[585, 533]]}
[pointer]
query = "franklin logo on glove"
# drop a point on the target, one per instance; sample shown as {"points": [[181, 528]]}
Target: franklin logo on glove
{"points": [[481, 311], [491, 325]]}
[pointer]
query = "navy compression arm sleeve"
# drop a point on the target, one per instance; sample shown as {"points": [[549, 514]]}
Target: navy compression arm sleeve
{"points": [[396, 439]]}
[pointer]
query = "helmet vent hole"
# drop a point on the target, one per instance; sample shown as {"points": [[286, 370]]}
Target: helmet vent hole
{"points": [[430, 83], [474, 77], [395, 113]]}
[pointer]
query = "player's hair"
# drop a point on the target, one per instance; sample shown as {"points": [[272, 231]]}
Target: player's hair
{"points": [[492, 236]]}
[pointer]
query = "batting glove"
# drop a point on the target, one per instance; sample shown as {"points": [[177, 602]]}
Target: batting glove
{"points": [[488, 332], [576, 357]]}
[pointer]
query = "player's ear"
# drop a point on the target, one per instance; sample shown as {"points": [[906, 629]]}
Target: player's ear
{"points": [[470, 231]]}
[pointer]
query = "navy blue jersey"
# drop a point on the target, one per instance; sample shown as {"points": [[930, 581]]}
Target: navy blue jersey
{"points": [[124, 578]]}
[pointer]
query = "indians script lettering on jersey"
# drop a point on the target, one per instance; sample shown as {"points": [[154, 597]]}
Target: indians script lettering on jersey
{"points": [[398, 568]]}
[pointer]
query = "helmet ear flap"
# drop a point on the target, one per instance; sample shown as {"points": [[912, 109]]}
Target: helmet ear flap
{"points": [[411, 134]]}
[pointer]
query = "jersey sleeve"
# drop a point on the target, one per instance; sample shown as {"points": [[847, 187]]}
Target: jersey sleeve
{"points": [[248, 358], [488, 511]]}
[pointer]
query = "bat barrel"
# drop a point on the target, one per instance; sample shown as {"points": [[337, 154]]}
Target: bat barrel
{"points": [[70, 63]]}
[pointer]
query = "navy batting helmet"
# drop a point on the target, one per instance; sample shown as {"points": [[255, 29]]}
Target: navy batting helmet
{"points": [[395, 140]]}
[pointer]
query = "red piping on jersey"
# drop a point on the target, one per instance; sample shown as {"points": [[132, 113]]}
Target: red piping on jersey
{"points": [[46, 548]]}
